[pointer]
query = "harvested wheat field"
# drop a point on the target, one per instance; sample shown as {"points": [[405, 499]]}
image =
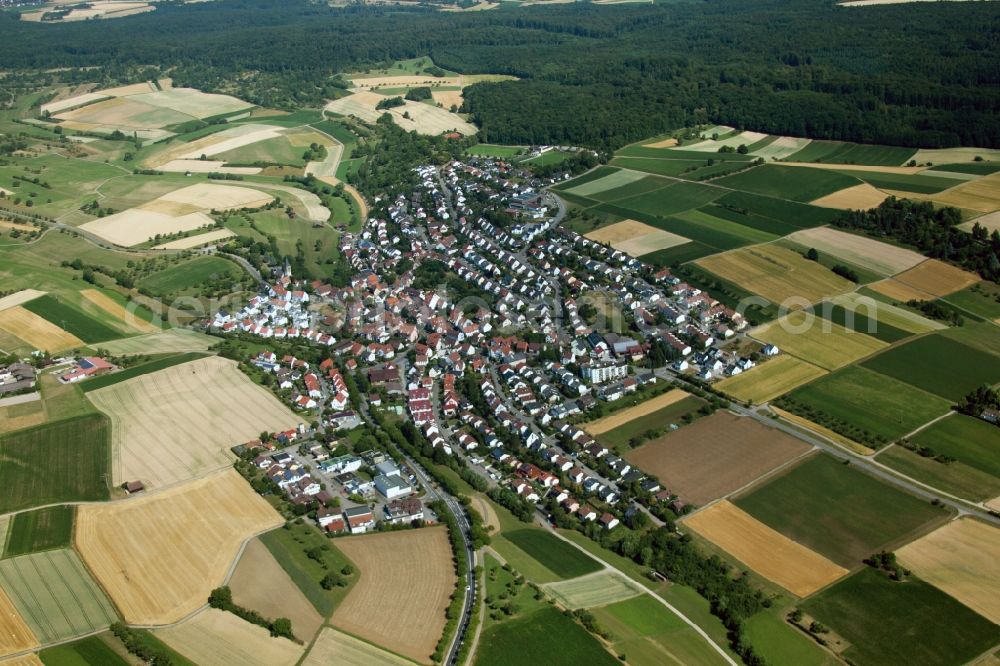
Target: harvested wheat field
{"points": [[955, 155], [937, 278], [774, 556], [771, 379], [899, 292], [835, 437], [715, 456], [597, 589], [19, 298], [991, 222], [196, 240], [27, 660], [622, 417], [778, 274], [15, 635], [58, 105], [203, 408], [36, 331], [448, 98], [424, 118], [858, 197], [207, 196], [226, 140], [260, 584], [173, 340], [206, 166], [868, 252], [485, 509], [335, 647], [665, 143], [781, 148], [158, 556], [404, 575], [636, 238], [961, 559], [219, 638], [817, 340], [981, 194], [116, 310]]}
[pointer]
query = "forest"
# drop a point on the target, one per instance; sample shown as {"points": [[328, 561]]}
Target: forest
{"points": [[915, 74]]}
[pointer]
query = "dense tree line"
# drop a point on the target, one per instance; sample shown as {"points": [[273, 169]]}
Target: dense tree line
{"points": [[590, 75]]}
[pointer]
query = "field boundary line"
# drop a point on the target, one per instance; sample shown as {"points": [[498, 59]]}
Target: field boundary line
{"points": [[701, 632], [927, 425]]}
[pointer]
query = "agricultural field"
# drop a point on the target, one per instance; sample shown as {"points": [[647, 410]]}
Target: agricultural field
{"points": [[547, 631], [493, 150], [715, 456], [19, 298], [770, 379], [214, 636], [70, 319], [403, 575], [960, 559], [936, 278], [859, 197], [624, 416], [130, 316], [817, 340], [900, 624], [15, 634], [938, 365], [423, 118], [62, 461], [837, 511], [636, 238], [783, 182], [777, 274], [648, 634], [982, 299], [553, 553], [854, 249], [55, 595], [204, 407], [334, 646], [158, 556], [856, 401], [885, 317], [982, 195], [260, 584], [970, 440], [955, 478], [89, 651], [836, 152], [774, 556], [623, 436], [779, 643], [189, 277], [596, 589], [982, 336], [181, 210], [211, 237], [39, 530], [36, 332]]}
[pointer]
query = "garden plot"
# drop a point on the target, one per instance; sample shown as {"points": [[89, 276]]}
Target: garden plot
{"points": [[203, 408], [774, 556], [636, 238], [159, 556]]}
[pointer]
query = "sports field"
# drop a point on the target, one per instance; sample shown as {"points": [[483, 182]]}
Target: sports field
{"points": [[403, 575], [260, 584], [158, 556], [62, 461], [42, 529], [960, 559], [518, 642], [204, 407], [624, 416], [553, 553], [894, 624], [214, 637], [771, 554], [778, 274], [596, 589], [55, 595], [770, 379], [817, 340], [335, 647], [937, 278], [852, 248], [836, 510], [36, 331], [856, 398], [715, 455], [938, 365]]}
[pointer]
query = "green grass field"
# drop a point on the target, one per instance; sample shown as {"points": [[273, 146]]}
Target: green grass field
{"points": [[288, 547], [982, 299], [166, 361], [858, 322], [837, 152], [791, 212], [660, 167], [71, 319], [549, 158], [188, 276], [55, 595], [494, 150], [964, 438], [277, 150], [955, 478], [981, 335], [938, 365], [974, 168], [780, 643], [547, 632], [559, 557], [673, 199], [89, 651], [837, 510], [318, 243], [920, 183], [56, 462], [783, 182], [618, 438], [42, 529], [889, 623], [876, 403], [339, 131]]}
